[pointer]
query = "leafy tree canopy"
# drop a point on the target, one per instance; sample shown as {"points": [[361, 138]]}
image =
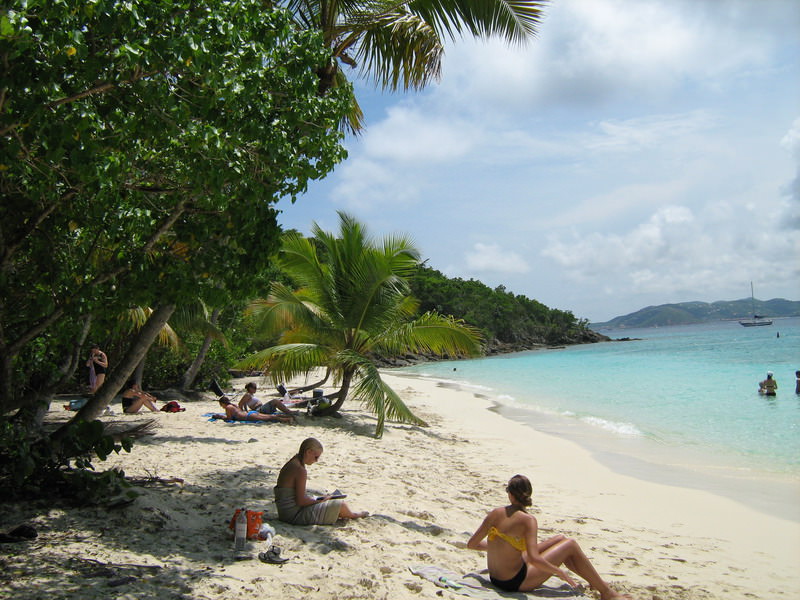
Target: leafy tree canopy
{"points": [[143, 144], [508, 318], [351, 305]]}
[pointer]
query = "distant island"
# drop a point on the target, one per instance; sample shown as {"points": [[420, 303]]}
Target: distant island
{"points": [[688, 313]]}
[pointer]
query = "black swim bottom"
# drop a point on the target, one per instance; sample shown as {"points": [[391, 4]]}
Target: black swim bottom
{"points": [[511, 585]]}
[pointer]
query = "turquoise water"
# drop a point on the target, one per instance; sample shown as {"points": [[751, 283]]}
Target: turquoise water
{"points": [[687, 394]]}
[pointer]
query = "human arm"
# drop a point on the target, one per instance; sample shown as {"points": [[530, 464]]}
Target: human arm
{"points": [[301, 496], [478, 539], [244, 400], [533, 552], [101, 359]]}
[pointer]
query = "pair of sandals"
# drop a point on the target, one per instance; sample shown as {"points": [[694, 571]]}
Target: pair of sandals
{"points": [[272, 556]]}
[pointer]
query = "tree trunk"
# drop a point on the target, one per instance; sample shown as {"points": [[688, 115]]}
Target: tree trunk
{"points": [[194, 368], [327, 78], [117, 377], [311, 386], [36, 402], [138, 373], [341, 395]]}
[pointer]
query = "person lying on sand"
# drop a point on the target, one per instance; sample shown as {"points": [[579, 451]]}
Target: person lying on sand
{"points": [[134, 398], [295, 505], [249, 402], [517, 561], [234, 413]]}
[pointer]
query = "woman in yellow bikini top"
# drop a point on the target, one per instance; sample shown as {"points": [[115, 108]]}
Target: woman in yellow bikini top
{"points": [[517, 561], [518, 543]]}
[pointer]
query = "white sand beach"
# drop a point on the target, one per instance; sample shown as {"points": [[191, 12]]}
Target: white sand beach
{"points": [[427, 489]]}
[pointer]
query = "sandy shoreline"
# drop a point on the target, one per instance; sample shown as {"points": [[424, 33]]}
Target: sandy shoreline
{"points": [[427, 490]]}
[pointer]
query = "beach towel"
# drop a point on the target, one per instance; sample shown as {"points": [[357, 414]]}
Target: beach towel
{"points": [[477, 585], [212, 420]]}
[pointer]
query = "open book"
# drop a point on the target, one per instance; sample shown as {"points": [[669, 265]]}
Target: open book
{"points": [[335, 495]]}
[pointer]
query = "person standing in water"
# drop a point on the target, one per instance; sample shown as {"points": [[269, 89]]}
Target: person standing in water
{"points": [[769, 386]]}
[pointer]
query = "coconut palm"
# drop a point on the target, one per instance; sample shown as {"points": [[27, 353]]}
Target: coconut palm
{"points": [[353, 304], [400, 44]]}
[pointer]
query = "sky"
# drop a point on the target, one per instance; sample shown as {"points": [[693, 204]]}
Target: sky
{"points": [[635, 153]]}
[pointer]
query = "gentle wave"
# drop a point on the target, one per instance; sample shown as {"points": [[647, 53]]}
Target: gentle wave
{"points": [[628, 429]]}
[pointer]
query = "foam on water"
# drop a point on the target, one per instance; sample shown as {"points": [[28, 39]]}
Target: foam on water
{"points": [[680, 395]]}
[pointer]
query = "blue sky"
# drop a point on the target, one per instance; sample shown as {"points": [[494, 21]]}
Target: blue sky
{"points": [[636, 153]]}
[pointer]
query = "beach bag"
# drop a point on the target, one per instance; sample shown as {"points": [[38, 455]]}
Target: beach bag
{"points": [[254, 519], [172, 406]]}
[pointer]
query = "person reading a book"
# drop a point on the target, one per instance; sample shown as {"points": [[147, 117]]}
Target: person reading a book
{"points": [[517, 560], [295, 504]]}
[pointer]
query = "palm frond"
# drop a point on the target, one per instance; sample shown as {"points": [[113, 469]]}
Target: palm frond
{"points": [[380, 399], [286, 361], [431, 333], [514, 20], [400, 51], [355, 302], [137, 317]]}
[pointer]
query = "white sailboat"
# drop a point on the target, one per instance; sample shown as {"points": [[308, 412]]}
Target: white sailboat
{"points": [[757, 320]]}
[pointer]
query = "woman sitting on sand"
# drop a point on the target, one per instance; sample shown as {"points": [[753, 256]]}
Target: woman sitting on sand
{"points": [[249, 401], [134, 398], [517, 561], [234, 413], [294, 504]]}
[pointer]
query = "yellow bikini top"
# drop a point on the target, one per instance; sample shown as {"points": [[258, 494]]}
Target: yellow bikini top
{"points": [[518, 543]]}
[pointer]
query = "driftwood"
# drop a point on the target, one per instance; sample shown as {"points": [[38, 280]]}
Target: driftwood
{"points": [[152, 481], [120, 429]]}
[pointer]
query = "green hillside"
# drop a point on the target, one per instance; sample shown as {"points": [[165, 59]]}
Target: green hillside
{"points": [[686, 313]]}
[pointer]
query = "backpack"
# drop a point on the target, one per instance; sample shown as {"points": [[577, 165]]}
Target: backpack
{"points": [[172, 406]]}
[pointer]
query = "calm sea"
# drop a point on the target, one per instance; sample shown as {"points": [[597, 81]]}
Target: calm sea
{"points": [[679, 406]]}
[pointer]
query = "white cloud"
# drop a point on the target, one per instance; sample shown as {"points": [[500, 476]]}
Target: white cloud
{"points": [[649, 132], [407, 135], [492, 258], [366, 185], [637, 152], [594, 51], [791, 141], [675, 251]]}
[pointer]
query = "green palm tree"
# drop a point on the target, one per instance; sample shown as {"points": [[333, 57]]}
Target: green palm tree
{"points": [[400, 44], [352, 305]]}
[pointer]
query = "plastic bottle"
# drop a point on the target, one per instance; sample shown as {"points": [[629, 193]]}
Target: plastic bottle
{"points": [[240, 531]]}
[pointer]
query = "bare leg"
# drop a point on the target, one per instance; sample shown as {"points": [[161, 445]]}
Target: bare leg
{"points": [[346, 513], [550, 542], [101, 377], [282, 407], [567, 552], [135, 406], [140, 401], [260, 417]]}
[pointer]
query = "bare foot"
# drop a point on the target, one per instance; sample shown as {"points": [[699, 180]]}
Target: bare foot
{"points": [[360, 515]]}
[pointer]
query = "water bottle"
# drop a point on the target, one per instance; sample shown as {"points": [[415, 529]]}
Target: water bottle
{"points": [[240, 531]]}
